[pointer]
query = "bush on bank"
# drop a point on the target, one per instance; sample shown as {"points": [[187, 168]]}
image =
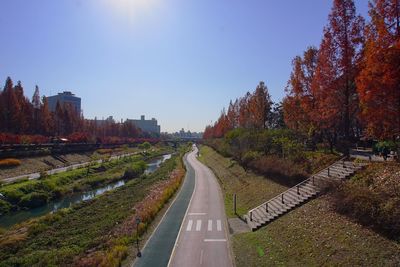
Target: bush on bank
{"points": [[372, 197], [35, 193], [97, 232], [135, 170], [279, 154]]}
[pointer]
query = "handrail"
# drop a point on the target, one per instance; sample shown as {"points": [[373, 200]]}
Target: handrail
{"points": [[299, 184]]}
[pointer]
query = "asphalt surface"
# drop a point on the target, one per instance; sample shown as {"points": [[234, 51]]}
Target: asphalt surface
{"points": [[158, 249], [203, 238]]}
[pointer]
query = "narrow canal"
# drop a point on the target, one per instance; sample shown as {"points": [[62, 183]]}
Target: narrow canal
{"points": [[12, 218]]}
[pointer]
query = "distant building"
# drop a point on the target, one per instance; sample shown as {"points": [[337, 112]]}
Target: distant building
{"points": [[189, 135], [101, 122], [65, 97], [147, 125]]}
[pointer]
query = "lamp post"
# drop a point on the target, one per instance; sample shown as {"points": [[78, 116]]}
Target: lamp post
{"points": [[139, 254]]}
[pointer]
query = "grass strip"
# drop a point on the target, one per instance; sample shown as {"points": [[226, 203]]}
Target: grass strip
{"points": [[311, 235]]}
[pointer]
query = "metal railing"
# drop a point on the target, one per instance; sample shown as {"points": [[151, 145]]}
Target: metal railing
{"points": [[297, 186]]}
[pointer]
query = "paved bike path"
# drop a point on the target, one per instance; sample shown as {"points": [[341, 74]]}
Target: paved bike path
{"points": [[159, 247]]}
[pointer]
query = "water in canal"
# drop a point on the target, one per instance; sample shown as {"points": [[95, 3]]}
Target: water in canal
{"points": [[12, 218]]}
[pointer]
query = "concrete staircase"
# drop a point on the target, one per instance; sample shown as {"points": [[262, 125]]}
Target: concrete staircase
{"points": [[300, 193]]}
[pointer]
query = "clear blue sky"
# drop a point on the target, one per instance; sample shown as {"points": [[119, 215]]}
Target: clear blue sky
{"points": [[180, 61]]}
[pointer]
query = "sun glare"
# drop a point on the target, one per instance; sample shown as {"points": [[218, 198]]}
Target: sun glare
{"points": [[130, 8]]}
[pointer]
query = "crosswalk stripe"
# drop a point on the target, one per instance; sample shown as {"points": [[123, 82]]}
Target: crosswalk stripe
{"points": [[198, 225], [219, 226], [189, 225], [209, 228]]}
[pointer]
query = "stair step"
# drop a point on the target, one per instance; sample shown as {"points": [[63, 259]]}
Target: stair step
{"points": [[283, 207], [275, 209], [338, 171], [260, 214], [341, 171], [332, 173], [299, 198]]}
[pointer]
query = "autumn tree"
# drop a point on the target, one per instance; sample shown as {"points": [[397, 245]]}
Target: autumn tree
{"points": [[244, 111], [260, 106], [378, 83], [334, 82], [233, 114], [10, 107], [36, 110], [46, 123], [300, 102], [24, 120]]}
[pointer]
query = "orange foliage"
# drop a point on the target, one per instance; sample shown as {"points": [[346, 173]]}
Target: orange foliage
{"points": [[333, 85], [379, 80], [251, 111], [5, 163], [299, 104]]}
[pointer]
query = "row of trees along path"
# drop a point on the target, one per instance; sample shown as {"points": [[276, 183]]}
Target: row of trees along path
{"points": [[346, 88], [20, 116], [351, 85]]}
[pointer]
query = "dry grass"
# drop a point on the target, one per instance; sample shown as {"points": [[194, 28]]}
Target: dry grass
{"points": [[372, 197], [311, 235], [251, 189], [315, 235], [8, 163], [147, 209], [103, 151]]}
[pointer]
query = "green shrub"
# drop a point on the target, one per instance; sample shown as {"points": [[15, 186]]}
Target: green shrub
{"points": [[33, 200], [383, 146], [135, 170], [250, 156], [43, 175], [12, 195], [145, 145], [4, 206]]}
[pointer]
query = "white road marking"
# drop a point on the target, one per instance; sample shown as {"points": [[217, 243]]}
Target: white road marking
{"points": [[189, 226], [180, 229], [214, 240], [219, 226], [198, 225], [197, 213], [209, 228], [201, 257]]}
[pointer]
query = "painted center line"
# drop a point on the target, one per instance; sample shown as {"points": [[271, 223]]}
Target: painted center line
{"points": [[198, 225], [189, 226], [214, 240], [197, 213]]}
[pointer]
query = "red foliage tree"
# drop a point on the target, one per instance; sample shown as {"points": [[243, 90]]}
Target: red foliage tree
{"points": [[334, 82], [11, 107], [260, 106], [299, 104], [379, 80]]}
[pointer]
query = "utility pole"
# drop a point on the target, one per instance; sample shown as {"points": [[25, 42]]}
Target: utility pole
{"points": [[139, 254]]}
